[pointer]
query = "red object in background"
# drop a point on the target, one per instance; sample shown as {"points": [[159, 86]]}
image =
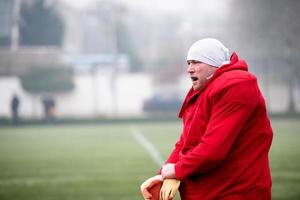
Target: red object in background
{"points": [[154, 190]]}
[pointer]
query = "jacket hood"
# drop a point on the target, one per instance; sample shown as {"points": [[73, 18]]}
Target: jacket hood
{"points": [[234, 64]]}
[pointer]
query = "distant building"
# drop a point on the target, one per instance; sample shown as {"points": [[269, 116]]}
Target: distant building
{"points": [[104, 62], [18, 62]]}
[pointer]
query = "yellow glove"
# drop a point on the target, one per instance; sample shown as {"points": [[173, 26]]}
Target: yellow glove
{"points": [[151, 187], [169, 189]]}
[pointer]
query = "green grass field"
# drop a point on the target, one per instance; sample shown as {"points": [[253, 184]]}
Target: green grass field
{"points": [[89, 162]]}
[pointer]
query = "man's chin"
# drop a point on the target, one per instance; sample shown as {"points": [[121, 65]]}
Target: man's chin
{"points": [[196, 87]]}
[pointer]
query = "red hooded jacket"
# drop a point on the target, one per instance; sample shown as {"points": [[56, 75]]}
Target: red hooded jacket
{"points": [[223, 149]]}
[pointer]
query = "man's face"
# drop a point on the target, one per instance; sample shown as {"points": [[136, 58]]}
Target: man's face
{"points": [[199, 72]]}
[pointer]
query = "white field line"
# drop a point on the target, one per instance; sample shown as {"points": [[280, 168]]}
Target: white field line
{"points": [[148, 146]]}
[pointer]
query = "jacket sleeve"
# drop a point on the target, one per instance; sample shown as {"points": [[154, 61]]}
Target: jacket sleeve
{"points": [[174, 156], [231, 108]]}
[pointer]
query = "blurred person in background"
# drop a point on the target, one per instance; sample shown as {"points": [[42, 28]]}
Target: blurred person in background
{"points": [[14, 107], [49, 108], [222, 152]]}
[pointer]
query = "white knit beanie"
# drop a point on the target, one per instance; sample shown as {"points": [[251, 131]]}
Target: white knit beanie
{"points": [[209, 51]]}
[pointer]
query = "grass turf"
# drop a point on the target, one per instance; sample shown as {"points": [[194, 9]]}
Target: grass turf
{"points": [[105, 162]]}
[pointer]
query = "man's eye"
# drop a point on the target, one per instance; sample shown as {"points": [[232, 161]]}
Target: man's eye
{"points": [[195, 62]]}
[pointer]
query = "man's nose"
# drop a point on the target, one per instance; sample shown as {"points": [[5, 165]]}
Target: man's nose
{"points": [[190, 69]]}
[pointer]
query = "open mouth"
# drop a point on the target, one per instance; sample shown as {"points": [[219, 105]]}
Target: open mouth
{"points": [[194, 78]]}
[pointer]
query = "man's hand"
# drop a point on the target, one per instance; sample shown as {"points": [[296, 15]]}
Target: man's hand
{"points": [[168, 171], [169, 189], [151, 187]]}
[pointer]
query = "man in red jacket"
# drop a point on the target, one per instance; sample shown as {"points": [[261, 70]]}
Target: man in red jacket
{"points": [[222, 152]]}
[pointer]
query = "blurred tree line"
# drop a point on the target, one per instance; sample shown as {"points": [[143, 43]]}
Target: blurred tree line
{"points": [[143, 36], [269, 32], [266, 33], [48, 79], [40, 24]]}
